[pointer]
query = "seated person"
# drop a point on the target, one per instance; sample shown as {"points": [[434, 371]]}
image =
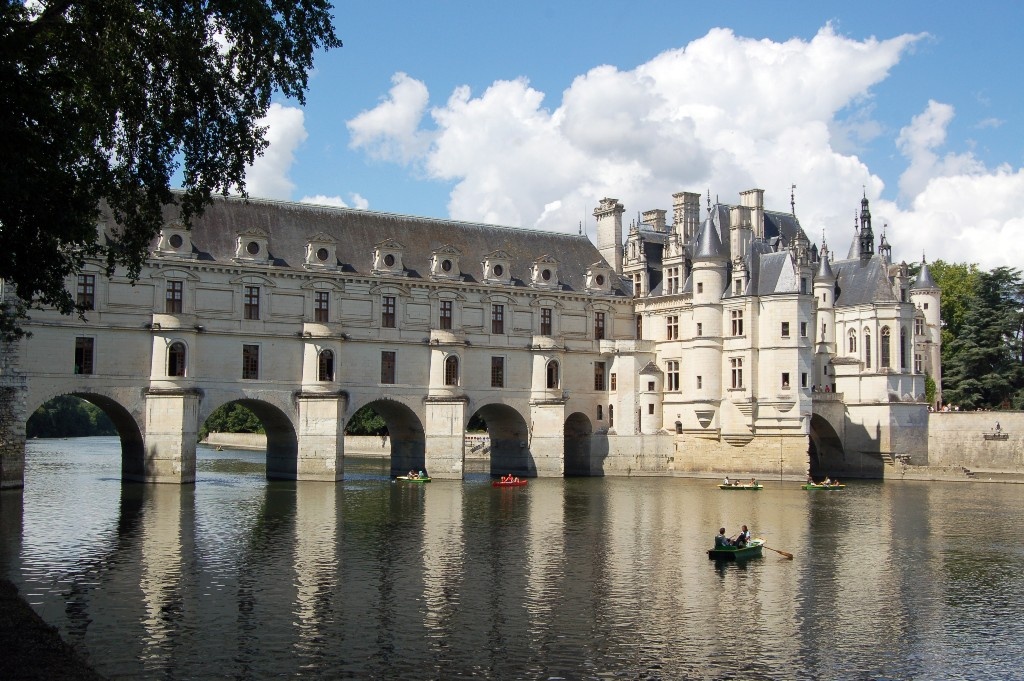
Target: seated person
{"points": [[743, 537], [727, 481], [721, 541]]}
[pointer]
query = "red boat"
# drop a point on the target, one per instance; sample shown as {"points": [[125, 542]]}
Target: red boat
{"points": [[517, 482]]}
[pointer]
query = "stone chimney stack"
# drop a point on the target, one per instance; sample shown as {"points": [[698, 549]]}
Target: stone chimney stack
{"points": [[609, 231], [686, 214], [754, 200], [654, 218]]}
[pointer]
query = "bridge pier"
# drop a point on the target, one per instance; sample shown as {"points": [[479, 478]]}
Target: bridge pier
{"points": [[321, 436], [445, 437], [172, 431], [547, 437]]}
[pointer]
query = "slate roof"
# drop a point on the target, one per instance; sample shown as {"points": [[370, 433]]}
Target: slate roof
{"points": [[291, 225], [863, 282], [924, 278]]}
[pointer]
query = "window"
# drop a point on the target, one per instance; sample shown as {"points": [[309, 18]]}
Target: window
{"points": [[552, 375], [83, 355], [672, 375], [497, 319], [852, 344], [321, 306], [251, 362], [700, 382], [785, 379], [387, 366], [824, 330], [672, 327], [174, 295], [918, 327], [611, 416], [447, 313], [388, 314], [785, 329], [737, 287], [700, 287], [600, 413], [252, 302], [546, 325], [613, 382], [86, 294], [903, 348], [650, 386], [599, 325], [926, 306], [679, 427], [700, 329], [176, 359], [803, 329], [884, 347], [736, 364], [803, 379], [497, 372], [867, 349], [599, 375], [918, 363], [451, 370], [325, 366], [650, 408], [737, 322], [639, 327], [803, 285], [903, 295]]}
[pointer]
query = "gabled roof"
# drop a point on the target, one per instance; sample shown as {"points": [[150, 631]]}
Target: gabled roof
{"points": [[863, 282], [778, 275]]}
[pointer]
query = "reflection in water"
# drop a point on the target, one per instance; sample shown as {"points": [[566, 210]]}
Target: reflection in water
{"points": [[239, 577]]}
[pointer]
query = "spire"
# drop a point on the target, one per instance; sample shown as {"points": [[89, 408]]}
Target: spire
{"points": [[867, 236], [924, 277], [884, 249], [855, 245], [792, 199], [709, 245], [824, 272]]}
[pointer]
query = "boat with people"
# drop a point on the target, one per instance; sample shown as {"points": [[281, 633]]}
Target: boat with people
{"points": [[413, 476], [509, 481], [821, 485], [752, 549], [737, 485]]}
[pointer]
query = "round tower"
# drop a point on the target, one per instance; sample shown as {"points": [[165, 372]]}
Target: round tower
{"points": [[824, 295], [927, 298], [709, 281]]}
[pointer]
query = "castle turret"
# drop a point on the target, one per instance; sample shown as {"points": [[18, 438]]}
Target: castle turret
{"points": [[867, 236], [609, 231], [824, 294], [703, 382], [927, 298]]}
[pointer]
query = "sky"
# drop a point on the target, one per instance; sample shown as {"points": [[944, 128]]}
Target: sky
{"points": [[528, 113]]}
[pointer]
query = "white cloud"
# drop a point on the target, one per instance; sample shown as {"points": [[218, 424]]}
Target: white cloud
{"points": [[336, 201], [268, 176], [725, 113]]}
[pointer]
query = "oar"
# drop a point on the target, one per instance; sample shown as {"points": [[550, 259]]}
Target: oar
{"points": [[787, 554]]}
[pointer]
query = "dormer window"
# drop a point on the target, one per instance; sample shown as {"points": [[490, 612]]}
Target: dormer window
{"points": [[599, 278], [321, 252], [496, 268], [252, 246], [544, 273], [175, 241], [387, 258], [444, 263]]}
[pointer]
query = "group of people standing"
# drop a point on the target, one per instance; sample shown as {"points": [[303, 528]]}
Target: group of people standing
{"points": [[739, 541]]}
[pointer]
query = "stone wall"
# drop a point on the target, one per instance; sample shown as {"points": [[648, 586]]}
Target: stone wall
{"points": [[972, 440], [12, 418]]}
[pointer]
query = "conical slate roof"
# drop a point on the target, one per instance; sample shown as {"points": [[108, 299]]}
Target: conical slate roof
{"points": [[924, 278], [709, 245], [824, 272]]}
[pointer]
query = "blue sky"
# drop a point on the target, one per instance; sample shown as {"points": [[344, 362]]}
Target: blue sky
{"points": [[528, 113]]}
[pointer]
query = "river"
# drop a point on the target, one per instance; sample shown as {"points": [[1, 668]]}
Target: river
{"points": [[238, 577]]}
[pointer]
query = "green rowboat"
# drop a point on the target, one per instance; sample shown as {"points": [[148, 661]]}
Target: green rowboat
{"points": [[751, 550], [817, 486], [406, 478], [747, 487]]}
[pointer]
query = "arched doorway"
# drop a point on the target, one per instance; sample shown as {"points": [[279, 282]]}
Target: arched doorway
{"points": [[577, 435], [510, 440], [282, 442], [826, 453], [405, 433], [127, 428]]}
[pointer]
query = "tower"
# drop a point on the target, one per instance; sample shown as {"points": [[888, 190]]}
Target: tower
{"points": [[927, 298], [609, 231]]}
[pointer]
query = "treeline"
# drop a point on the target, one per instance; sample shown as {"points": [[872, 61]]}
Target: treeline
{"points": [[68, 416], [982, 336]]}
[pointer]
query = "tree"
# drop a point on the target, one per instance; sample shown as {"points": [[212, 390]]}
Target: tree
{"points": [[366, 421], [67, 416], [959, 284], [231, 418], [103, 101]]}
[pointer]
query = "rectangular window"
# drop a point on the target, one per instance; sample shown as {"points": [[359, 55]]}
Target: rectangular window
{"points": [[175, 296], [785, 329], [918, 327], [736, 365], [83, 355], [803, 329], [388, 313], [672, 327], [251, 362], [447, 313], [672, 375], [86, 293], [497, 372], [700, 329], [917, 363], [387, 366], [650, 408], [599, 370], [700, 382], [737, 287], [497, 319], [803, 285], [599, 325], [600, 413], [700, 287], [785, 379], [321, 307], [613, 382], [546, 326], [803, 379], [737, 322], [252, 302]]}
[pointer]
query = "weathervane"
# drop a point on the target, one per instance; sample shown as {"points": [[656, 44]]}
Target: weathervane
{"points": [[792, 199]]}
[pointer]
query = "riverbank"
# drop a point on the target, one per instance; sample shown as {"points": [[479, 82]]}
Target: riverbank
{"points": [[32, 649]]}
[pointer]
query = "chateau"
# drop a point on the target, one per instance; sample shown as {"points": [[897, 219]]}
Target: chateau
{"points": [[723, 342]]}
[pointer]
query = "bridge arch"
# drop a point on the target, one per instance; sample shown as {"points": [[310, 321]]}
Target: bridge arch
{"points": [[129, 427], [282, 440], [509, 433], [578, 433], [405, 433], [825, 451]]}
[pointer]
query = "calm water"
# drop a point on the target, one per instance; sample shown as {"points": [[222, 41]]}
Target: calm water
{"points": [[238, 577]]}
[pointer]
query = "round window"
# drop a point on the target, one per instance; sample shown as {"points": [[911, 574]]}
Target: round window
{"points": [[546, 274], [389, 260], [176, 241], [446, 265], [599, 279], [498, 270], [252, 248], [322, 254]]}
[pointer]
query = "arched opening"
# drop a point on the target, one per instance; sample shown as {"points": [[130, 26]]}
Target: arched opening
{"points": [[885, 348], [325, 366], [509, 437], [552, 375], [577, 436], [398, 425], [176, 359], [825, 450], [87, 415], [451, 370], [249, 416]]}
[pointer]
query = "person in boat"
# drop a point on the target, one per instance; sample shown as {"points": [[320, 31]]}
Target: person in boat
{"points": [[810, 480], [835, 483], [721, 541], [742, 538], [727, 482], [422, 475], [826, 481], [412, 474], [753, 482]]}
